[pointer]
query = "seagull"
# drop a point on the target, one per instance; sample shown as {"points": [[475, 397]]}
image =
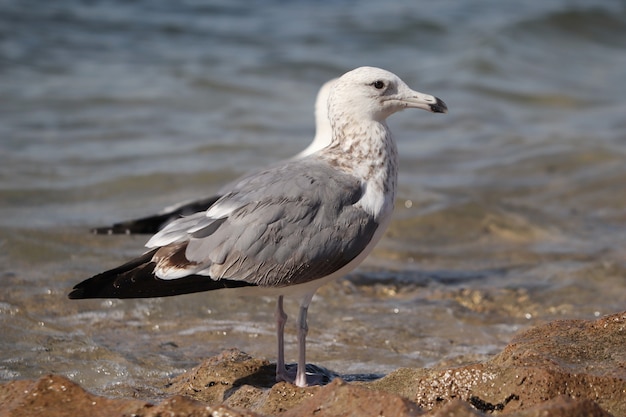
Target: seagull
{"points": [[152, 224], [292, 227]]}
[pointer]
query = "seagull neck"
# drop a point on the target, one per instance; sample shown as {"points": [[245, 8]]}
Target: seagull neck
{"points": [[368, 151]]}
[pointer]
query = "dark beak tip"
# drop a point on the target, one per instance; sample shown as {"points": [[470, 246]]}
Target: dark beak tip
{"points": [[439, 107]]}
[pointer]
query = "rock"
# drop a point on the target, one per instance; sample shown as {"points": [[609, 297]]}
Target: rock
{"points": [[54, 395], [283, 397], [219, 377], [239, 380], [456, 408], [564, 368], [179, 406], [57, 396], [561, 406], [564, 406], [339, 399], [574, 358]]}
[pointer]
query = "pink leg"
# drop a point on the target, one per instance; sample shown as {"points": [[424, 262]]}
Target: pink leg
{"points": [[281, 319], [303, 329]]}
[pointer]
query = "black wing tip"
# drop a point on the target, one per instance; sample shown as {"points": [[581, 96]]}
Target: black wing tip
{"points": [[141, 283], [109, 230], [93, 287], [143, 226], [128, 228], [77, 294], [154, 223]]}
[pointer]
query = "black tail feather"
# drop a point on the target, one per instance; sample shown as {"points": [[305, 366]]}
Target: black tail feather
{"points": [[143, 226], [152, 224], [136, 279]]}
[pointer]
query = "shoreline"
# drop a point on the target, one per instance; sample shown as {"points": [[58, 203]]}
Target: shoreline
{"points": [[562, 368]]}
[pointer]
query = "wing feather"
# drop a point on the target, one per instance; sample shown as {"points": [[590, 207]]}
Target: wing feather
{"points": [[288, 225]]}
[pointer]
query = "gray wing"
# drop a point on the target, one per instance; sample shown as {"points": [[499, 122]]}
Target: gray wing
{"points": [[287, 225]]}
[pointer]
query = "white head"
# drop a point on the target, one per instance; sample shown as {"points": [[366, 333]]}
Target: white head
{"points": [[374, 94]]}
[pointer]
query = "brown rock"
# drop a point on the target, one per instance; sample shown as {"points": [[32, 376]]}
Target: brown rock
{"points": [[577, 358], [284, 396], [574, 358], [179, 406], [248, 397], [596, 348], [219, 377], [236, 379], [564, 368], [564, 406], [57, 396], [54, 395], [561, 406], [339, 399], [455, 408]]}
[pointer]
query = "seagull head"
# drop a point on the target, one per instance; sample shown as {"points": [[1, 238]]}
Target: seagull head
{"points": [[375, 94]]}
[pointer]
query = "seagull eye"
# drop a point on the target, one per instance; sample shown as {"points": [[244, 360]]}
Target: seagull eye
{"points": [[378, 84]]}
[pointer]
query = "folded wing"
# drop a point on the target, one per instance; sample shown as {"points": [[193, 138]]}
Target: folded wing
{"points": [[283, 226]]}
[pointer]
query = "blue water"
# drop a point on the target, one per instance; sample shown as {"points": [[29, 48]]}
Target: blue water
{"points": [[511, 210]]}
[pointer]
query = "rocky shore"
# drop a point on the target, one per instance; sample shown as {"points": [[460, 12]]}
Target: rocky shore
{"points": [[563, 368]]}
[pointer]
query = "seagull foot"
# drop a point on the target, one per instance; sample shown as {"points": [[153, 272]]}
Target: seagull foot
{"points": [[314, 375]]}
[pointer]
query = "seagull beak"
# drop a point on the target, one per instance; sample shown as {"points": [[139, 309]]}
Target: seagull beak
{"points": [[423, 101]]}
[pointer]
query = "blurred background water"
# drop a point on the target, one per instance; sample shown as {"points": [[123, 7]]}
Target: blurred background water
{"points": [[511, 209]]}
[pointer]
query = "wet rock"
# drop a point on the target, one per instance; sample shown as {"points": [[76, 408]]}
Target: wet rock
{"points": [[561, 406], [179, 406], [578, 359], [564, 368], [564, 406], [57, 396], [342, 399], [283, 397], [54, 395], [219, 377], [239, 380]]}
